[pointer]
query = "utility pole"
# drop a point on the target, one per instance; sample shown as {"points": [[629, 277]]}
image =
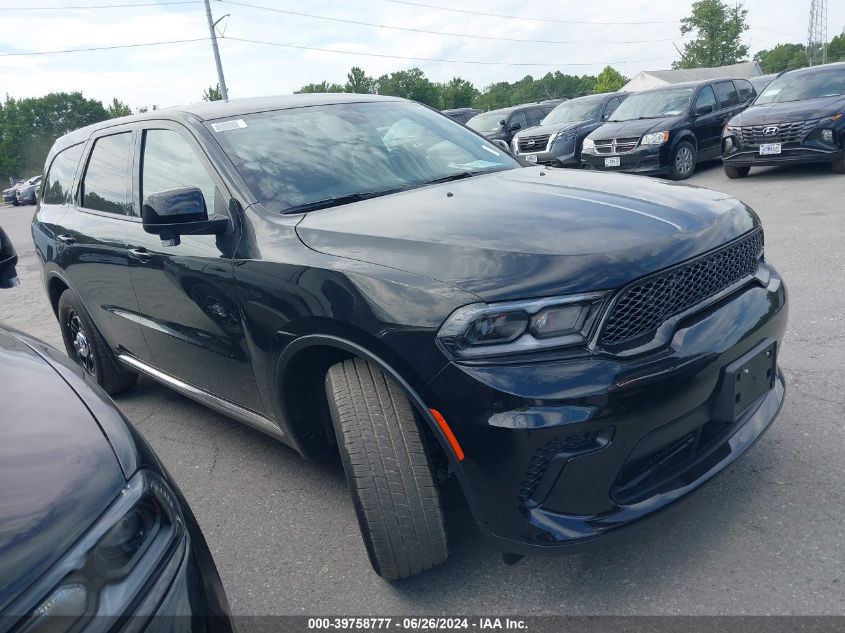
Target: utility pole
{"points": [[817, 32], [211, 24]]}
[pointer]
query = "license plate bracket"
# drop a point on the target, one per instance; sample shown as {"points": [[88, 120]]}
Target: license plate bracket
{"points": [[612, 161], [746, 379], [769, 149], [531, 158]]}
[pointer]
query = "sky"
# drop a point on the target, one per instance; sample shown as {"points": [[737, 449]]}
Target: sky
{"points": [[643, 36]]}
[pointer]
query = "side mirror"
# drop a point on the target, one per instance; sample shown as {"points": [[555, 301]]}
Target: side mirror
{"points": [[174, 212], [8, 261], [702, 110], [502, 145], [606, 116]]}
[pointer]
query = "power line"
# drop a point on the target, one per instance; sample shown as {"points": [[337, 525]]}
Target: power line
{"points": [[101, 6], [446, 33], [521, 17], [102, 48], [436, 59]]}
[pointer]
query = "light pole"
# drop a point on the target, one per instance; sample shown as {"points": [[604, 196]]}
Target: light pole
{"points": [[220, 79]]}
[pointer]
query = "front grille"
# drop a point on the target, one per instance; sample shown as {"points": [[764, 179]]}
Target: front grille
{"points": [[646, 304], [534, 143], [754, 135], [617, 145]]}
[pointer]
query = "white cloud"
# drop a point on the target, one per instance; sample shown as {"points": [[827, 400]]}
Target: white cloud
{"points": [[178, 73]]}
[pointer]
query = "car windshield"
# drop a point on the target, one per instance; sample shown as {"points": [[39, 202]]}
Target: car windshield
{"points": [[300, 159], [487, 123], [574, 111], [654, 105], [800, 86]]}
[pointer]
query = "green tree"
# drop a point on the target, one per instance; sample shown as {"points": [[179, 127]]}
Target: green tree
{"points": [[609, 80], [782, 57], [718, 29], [144, 109], [323, 86], [410, 84], [836, 49], [457, 93], [357, 81], [118, 108], [212, 93]]}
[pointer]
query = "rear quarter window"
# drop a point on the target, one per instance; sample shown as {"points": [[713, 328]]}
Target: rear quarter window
{"points": [[59, 178]]}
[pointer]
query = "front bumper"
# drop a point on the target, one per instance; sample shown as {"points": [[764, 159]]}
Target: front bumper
{"points": [[26, 198], [558, 453], [562, 154], [791, 153], [646, 160]]}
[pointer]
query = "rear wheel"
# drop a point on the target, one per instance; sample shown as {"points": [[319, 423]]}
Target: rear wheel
{"points": [[87, 348], [839, 165], [732, 171], [683, 161], [396, 500]]}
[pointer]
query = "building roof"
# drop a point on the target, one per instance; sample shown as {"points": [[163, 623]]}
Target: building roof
{"points": [[656, 78]]}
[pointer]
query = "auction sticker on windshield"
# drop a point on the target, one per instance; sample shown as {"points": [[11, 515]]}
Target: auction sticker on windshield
{"points": [[769, 148]]}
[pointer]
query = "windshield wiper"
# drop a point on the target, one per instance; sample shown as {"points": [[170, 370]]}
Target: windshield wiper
{"points": [[339, 200]]}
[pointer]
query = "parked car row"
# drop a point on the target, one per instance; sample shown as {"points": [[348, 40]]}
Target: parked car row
{"points": [[797, 116], [23, 191]]}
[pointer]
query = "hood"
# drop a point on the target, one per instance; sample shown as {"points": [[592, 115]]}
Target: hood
{"points": [[551, 128], [637, 127], [772, 113], [58, 471], [532, 232]]}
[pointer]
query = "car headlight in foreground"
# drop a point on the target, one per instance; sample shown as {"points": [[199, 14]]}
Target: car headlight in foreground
{"points": [[588, 144], [482, 330], [123, 565]]}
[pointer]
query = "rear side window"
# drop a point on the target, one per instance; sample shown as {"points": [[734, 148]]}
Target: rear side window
{"points": [[107, 183], [169, 162], [745, 90], [726, 94], [59, 179]]}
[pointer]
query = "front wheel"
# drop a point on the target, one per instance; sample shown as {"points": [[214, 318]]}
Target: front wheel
{"points": [[396, 500], [86, 346], [732, 171], [839, 165], [683, 161]]}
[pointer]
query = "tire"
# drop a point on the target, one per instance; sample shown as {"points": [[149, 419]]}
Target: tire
{"points": [[683, 161], [86, 347], [393, 491], [733, 172], [14, 202], [839, 165]]}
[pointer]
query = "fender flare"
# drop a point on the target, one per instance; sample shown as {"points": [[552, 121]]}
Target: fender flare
{"points": [[328, 340]]}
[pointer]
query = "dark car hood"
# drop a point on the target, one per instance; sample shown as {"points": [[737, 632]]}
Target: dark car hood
{"points": [[787, 111], [628, 129], [58, 471], [551, 128], [531, 232]]}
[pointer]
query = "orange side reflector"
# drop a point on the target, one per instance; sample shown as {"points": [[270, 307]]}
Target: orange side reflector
{"points": [[453, 441]]}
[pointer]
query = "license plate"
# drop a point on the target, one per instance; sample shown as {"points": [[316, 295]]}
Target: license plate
{"points": [[612, 161], [531, 158], [769, 148], [746, 379]]}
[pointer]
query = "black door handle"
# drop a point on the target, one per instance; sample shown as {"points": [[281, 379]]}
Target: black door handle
{"points": [[141, 254], [66, 239]]}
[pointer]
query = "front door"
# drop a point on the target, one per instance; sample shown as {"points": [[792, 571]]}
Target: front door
{"points": [[188, 308], [707, 124]]}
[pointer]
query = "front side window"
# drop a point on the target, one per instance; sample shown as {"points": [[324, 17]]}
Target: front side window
{"points": [[169, 162], [518, 118], [487, 123], [705, 98], [59, 179], [726, 94], [107, 182], [654, 105], [300, 158]]}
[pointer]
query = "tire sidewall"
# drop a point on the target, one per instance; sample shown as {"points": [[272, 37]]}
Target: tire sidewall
{"points": [[103, 362], [675, 174]]}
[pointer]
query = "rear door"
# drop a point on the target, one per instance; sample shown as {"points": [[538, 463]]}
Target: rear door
{"points": [[186, 293], [91, 237]]}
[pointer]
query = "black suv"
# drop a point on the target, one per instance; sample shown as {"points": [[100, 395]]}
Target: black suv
{"points": [[501, 125], [798, 118], [557, 140], [579, 350], [667, 130]]}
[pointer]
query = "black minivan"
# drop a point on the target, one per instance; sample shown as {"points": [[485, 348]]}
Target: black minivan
{"points": [[667, 130]]}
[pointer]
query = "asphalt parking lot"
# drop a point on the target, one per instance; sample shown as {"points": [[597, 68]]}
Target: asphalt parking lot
{"points": [[766, 537]]}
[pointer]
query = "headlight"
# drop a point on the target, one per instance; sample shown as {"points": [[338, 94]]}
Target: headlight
{"points": [[483, 330], [655, 138], [588, 144], [566, 135], [137, 544], [827, 135]]}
